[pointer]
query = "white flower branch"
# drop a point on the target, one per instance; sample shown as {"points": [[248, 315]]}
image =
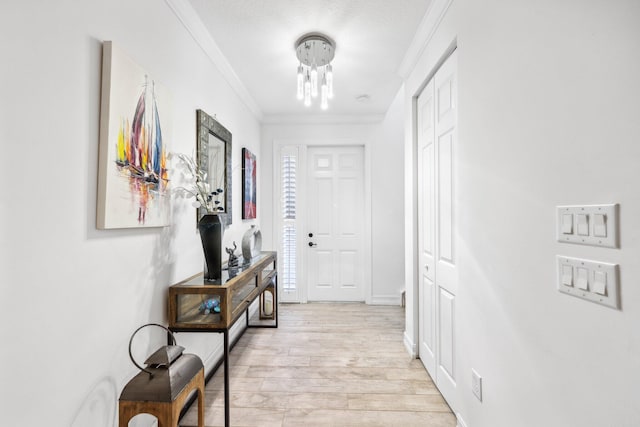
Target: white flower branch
{"points": [[197, 185]]}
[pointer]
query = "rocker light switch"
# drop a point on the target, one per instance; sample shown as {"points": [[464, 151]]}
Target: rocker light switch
{"points": [[599, 225], [600, 282], [583, 224], [567, 275], [567, 224], [582, 278]]}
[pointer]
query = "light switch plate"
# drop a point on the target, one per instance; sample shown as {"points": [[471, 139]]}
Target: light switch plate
{"points": [[593, 225], [601, 280], [476, 384]]}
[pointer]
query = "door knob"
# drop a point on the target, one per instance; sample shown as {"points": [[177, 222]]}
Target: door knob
{"points": [[311, 244], [310, 234]]}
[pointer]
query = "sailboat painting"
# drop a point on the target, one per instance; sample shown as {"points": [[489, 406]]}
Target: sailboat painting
{"points": [[134, 129]]}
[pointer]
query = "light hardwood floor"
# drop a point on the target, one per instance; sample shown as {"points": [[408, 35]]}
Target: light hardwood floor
{"points": [[326, 365]]}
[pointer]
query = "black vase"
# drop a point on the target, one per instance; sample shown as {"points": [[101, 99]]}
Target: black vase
{"points": [[211, 229]]}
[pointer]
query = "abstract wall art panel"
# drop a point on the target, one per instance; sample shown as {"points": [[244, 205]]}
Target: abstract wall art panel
{"points": [[134, 132], [249, 201]]}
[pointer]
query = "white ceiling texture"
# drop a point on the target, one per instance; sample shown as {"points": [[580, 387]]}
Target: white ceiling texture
{"points": [[257, 38]]}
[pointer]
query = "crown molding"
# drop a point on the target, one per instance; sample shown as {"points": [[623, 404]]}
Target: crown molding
{"points": [[194, 25], [427, 28], [313, 119]]}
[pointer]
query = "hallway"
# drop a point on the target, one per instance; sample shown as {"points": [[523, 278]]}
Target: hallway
{"points": [[326, 364]]}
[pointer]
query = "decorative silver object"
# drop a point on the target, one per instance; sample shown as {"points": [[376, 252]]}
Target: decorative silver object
{"points": [[251, 243]]}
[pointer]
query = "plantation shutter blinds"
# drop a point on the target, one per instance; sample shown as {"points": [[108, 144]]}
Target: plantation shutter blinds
{"points": [[288, 165]]}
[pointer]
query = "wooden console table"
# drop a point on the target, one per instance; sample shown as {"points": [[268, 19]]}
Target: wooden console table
{"points": [[196, 305]]}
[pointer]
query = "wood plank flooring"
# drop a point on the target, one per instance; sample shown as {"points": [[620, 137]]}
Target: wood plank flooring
{"points": [[326, 365]]}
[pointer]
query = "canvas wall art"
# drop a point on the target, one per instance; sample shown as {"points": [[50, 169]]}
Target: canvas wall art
{"points": [[134, 131], [249, 202]]}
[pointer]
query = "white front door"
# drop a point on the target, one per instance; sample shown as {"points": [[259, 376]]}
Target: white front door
{"points": [[437, 287], [335, 219]]}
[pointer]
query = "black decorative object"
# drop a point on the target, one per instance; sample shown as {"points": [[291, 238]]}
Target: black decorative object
{"points": [[211, 229], [233, 259]]}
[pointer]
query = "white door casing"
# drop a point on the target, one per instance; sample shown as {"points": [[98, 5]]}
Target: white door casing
{"points": [[335, 212], [437, 137]]}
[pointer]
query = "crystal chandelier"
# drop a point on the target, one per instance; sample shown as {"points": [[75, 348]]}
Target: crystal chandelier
{"points": [[315, 52]]}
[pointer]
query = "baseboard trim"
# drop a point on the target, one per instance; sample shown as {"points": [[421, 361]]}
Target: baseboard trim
{"points": [[410, 345], [385, 300]]}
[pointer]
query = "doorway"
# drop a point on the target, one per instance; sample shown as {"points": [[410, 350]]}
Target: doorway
{"points": [[335, 208], [323, 217]]}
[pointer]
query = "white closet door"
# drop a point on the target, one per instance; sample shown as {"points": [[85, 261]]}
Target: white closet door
{"points": [[426, 230], [437, 137]]}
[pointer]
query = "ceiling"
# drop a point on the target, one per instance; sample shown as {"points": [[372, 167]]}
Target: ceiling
{"points": [[257, 38]]}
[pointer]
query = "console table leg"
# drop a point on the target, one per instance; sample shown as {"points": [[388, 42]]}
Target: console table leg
{"points": [[226, 379], [275, 299]]}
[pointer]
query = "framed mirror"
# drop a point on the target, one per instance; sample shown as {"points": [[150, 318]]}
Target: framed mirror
{"points": [[214, 156]]}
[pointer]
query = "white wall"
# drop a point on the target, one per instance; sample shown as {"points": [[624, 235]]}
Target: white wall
{"points": [[72, 295], [383, 141], [548, 115], [387, 164]]}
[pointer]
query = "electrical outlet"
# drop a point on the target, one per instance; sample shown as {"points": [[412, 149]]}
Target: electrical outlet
{"points": [[476, 384]]}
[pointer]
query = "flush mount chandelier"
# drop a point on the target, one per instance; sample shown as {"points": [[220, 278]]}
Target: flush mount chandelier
{"points": [[315, 52]]}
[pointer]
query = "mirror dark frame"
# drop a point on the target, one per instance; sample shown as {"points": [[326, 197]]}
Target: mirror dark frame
{"points": [[206, 126]]}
